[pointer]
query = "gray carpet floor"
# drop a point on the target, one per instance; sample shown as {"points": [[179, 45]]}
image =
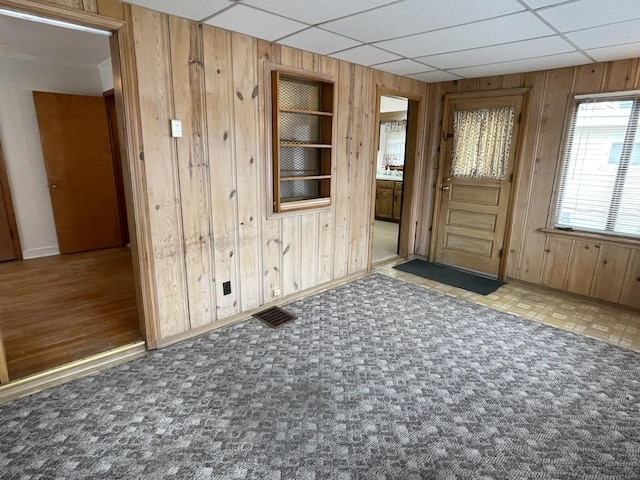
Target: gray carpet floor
{"points": [[377, 379]]}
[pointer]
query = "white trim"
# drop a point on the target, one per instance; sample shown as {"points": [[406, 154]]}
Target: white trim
{"points": [[628, 93], [51, 21], [40, 252]]}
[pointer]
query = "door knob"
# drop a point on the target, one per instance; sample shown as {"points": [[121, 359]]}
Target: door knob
{"points": [[444, 187], [446, 179], [53, 185]]}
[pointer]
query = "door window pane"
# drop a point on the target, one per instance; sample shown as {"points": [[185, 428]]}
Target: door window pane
{"points": [[481, 142]]}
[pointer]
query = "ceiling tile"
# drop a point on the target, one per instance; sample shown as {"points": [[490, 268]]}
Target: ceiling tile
{"points": [[194, 9], [403, 67], [435, 76], [318, 41], [417, 16], [542, 3], [519, 26], [616, 34], [254, 22], [617, 52], [528, 65], [315, 12], [365, 55], [590, 13], [499, 53]]}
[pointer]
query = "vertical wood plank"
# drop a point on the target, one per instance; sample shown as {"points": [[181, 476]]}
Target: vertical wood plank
{"points": [[4, 370], [271, 227], [589, 78], [111, 8], [360, 193], [90, 6], [607, 282], [582, 267], [468, 85], [188, 93], [555, 103], [291, 269], [556, 262], [249, 189], [513, 80], [326, 219], [489, 83], [154, 78], [528, 160], [342, 144], [219, 104], [630, 294], [621, 74]]}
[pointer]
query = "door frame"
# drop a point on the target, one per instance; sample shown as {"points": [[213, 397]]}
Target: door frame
{"points": [[129, 129], [410, 176], [447, 99], [11, 215]]}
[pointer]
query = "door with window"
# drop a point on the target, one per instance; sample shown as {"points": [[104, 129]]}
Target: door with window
{"points": [[477, 160]]}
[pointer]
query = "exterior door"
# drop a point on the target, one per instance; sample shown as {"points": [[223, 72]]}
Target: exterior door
{"points": [[477, 157], [74, 133]]}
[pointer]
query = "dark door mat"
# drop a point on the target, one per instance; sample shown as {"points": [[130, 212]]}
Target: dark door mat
{"points": [[451, 276], [274, 317]]}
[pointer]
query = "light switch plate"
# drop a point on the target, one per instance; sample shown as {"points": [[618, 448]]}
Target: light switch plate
{"points": [[176, 128]]}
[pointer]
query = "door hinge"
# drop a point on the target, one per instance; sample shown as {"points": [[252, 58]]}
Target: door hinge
{"points": [[520, 118], [11, 234], [511, 177], [500, 253]]}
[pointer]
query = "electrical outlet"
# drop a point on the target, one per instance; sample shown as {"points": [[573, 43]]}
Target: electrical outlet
{"points": [[276, 292], [226, 288]]}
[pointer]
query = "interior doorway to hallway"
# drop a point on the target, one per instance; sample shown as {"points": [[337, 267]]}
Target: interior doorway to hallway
{"points": [[390, 161]]}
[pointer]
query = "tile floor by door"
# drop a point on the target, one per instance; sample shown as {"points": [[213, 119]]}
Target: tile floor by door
{"points": [[592, 318]]}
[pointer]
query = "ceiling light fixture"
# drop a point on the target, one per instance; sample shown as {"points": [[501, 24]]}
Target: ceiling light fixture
{"points": [[51, 21]]}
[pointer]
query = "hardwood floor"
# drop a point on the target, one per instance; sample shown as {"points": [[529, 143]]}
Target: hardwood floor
{"points": [[56, 310]]}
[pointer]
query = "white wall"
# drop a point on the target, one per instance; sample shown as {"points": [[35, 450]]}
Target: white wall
{"points": [[21, 142]]}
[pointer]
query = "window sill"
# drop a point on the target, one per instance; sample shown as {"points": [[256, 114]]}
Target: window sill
{"points": [[616, 239]]}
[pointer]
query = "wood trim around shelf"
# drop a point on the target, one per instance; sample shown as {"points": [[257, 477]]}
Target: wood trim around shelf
{"points": [[305, 145], [305, 204], [306, 177], [306, 112]]}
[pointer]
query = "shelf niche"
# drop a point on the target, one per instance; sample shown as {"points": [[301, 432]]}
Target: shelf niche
{"points": [[302, 128]]}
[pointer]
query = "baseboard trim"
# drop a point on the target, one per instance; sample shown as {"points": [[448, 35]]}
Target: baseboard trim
{"points": [[71, 371], [40, 252], [225, 322]]}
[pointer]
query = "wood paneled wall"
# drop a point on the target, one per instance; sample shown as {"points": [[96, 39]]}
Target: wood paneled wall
{"points": [[207, 192], [203, 218], [549, 103]]}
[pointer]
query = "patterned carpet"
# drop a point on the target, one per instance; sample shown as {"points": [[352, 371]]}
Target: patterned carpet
{"points": [[377, 379]]}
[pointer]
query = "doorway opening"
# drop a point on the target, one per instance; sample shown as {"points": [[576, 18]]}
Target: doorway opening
{"points": [[390, 161], [70, 287]]}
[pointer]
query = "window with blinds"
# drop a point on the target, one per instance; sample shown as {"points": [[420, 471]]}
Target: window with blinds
{"points": [[599, 187]]}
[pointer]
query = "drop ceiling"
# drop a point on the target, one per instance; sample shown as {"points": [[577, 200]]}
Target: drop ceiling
{"points": [[423, 39], [433, 40]]}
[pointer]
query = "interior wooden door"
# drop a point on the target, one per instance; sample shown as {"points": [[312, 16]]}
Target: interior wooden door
{"points": [[474, 198], [9, 242], [74, 133]]}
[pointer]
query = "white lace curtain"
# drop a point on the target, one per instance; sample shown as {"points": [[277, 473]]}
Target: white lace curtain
{"points": [[481, 142], [395, 139]]}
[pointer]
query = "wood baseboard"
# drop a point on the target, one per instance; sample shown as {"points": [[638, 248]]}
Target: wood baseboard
{"points": [[225, 322], [65, 373]]}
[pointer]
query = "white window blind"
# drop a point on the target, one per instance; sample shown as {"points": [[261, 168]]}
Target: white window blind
{"points": [[599, 187]]}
